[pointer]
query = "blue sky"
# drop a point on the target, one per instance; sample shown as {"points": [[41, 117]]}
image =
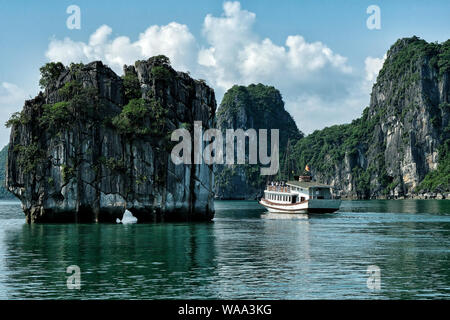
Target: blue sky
{"points": [[28, 28]]}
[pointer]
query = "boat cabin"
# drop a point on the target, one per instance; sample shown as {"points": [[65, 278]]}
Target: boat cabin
{"points": [[298, 191], [310, 190]]}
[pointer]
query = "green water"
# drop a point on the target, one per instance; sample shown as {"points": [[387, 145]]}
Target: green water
{"points": [[244, 253]]}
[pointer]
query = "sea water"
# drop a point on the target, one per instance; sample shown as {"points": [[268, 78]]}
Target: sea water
{"points": [[244, 253]]}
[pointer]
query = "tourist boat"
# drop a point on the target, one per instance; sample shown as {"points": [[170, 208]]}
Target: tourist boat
{"points": [[300, 196]]}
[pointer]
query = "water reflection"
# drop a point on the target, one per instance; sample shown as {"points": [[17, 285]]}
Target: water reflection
{"points": [[117, 261], [244, 253], [414, 255], [397, 206]]}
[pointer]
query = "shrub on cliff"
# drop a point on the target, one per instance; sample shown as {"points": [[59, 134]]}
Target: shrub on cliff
{"points": [[56, 115], [141, 117], [17, 118], [132, 88], [132, 118], [77, 101], [4, 194], [50, 73], [28, 156], [439, 178], [161, 73]]}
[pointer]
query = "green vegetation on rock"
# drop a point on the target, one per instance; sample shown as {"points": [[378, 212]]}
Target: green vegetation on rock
{"points": [[132, 88], [388, 150], [439, 179], [78, 103], [50, 73], [141, 117], [17, 118], [28, 157], [4, 193], [161, 73], [67, 173], [256, 106]]}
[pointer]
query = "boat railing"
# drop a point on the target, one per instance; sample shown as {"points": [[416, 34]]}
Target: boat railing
{"points": [[285, 189]]}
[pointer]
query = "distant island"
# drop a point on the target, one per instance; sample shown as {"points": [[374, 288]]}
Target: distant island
{"points": [[398, 148], [94, 144], [258, 107]]}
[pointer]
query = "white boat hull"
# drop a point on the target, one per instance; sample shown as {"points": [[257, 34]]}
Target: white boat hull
{"points": [[308, 206]]}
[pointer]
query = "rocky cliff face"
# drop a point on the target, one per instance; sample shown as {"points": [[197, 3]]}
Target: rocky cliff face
{"points": [[257, 107], [94, 145], [4, 194], [401, 137]]}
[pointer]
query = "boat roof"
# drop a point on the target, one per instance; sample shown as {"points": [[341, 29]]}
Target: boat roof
{"points": [[309, 184]]}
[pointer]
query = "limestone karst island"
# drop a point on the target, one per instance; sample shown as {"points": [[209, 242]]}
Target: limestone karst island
{"points": [[92, 144]]}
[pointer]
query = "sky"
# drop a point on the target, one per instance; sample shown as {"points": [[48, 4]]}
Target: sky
{"points": [[320, 54]]}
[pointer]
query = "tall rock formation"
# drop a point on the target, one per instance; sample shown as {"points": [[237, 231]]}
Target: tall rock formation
{"points": [[4, 194], [402, 138], [94, 145], [258, 107]]}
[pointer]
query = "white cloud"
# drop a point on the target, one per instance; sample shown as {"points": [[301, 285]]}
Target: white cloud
{"points": [[174, 40], [236, 55], [372, 67], [319, 86], [311, 77], [11, 100]]}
